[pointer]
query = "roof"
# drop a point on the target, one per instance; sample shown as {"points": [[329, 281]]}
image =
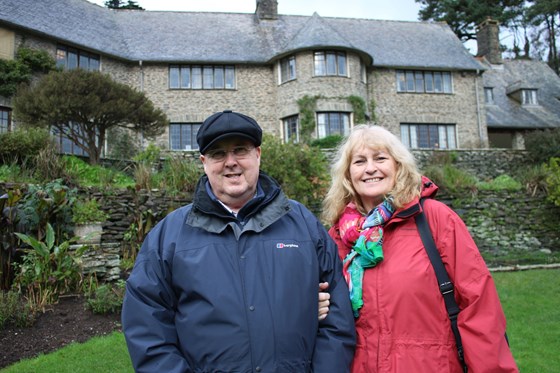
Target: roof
{"points": [[507, 113], [157, 36]]}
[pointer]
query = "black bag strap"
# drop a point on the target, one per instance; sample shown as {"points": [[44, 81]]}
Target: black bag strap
{"points": [[445, 285]]}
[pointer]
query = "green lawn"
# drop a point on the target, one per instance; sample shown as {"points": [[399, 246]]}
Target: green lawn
{"points": [[530, 300]]}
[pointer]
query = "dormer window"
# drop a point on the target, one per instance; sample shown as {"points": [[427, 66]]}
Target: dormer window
{"points": [[529, 97]]}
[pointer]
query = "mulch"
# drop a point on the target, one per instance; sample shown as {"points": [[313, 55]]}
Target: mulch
{"points": [[63, 323]]}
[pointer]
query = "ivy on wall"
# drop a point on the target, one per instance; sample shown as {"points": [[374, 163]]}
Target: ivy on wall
{"points": [[307, 105]]}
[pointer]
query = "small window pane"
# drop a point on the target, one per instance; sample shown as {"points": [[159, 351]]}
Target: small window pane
{"points": [[446, 82], [196, 77], [429, 81], [173, 77], [319, 62], [230, 77], [185, 77], [419, 81], [410, 81], [341, 64], [219, 77], [438, 83], [401, 81]]}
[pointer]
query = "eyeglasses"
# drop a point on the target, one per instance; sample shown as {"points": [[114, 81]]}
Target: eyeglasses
{"points": [[238, 152]]}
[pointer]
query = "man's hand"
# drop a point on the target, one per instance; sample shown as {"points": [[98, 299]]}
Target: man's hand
{"points": [[323, 300]]}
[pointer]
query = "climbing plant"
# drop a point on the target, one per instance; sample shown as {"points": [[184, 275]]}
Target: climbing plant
{"points": [[307, 105]]}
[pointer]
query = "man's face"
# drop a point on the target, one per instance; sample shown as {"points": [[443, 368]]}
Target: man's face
{"points": [[232, 167]]}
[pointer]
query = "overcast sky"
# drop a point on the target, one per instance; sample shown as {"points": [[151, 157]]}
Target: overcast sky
{"points": [[400, 10]]}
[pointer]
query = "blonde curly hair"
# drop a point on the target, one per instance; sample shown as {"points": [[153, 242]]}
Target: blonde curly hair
{"points": [[407, 181]]}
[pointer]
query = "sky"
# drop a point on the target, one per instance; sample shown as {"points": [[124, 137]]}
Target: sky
{"points": [[398, 10]]}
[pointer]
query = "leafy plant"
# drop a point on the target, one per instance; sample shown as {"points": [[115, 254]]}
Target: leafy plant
{"points": [[177, 176], [553, 180], [84, 174], [301, 170], [543, 145], [14, 310], [107, 298], [88, 211], [359, 108], [451, 178], [48, 270], [8, 241], [502, 182], [21, 146], [307, 105], [49, 203], [533, 178], [328, 142]]}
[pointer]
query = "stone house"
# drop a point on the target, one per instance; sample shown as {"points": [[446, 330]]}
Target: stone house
{"points": [[415, 78], [519, 95]]}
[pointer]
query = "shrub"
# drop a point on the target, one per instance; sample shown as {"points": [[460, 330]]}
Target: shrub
{"points": [[502, 182], [85, 174], [553, 180], [21, 146], [107, 298], [533, 178], [177, 176], [301, 170], [329, 142], [48, 269], [14, 310], [543, 145], [451, 178], [87, 211], [121, 144]]}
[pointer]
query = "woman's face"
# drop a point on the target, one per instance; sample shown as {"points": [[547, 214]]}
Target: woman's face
{"points": [[372, 173]]}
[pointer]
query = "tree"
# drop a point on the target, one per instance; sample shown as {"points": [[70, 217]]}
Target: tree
{"points": [[21, 69], [544, 16], [119, 4], [463, 16], [92, 102]]}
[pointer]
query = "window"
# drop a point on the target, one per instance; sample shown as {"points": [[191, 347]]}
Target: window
{"points": [[182, 136], [66, 145], [529, 97], [438, 136], [287, 69], [489, 95], [330, 63], [5, 120], [291, 129], [332, 124], [201, 77], [72, 58], [424, 81]]}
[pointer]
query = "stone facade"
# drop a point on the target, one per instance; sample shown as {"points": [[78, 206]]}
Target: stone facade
{"points": [[259, 94]]}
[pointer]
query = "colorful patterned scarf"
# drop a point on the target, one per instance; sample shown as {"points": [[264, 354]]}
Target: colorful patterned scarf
{"points": [[365, 234]]}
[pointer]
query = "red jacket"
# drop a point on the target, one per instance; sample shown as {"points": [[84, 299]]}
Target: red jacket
{"points": [[403, 326]]}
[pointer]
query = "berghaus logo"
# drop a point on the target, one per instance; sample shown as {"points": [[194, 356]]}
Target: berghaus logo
{"points": [[282, 245]]}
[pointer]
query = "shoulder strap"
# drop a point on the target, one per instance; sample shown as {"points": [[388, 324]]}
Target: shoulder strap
{"points": [[445, 285]]}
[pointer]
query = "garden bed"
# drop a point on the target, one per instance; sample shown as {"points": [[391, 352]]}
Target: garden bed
{"points": [[63, 323]]}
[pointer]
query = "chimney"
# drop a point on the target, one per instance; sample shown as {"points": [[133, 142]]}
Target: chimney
{"points": [[267, 9], [488, 41]]}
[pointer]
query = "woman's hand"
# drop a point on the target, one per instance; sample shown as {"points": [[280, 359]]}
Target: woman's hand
{"points": [[323, 300]]}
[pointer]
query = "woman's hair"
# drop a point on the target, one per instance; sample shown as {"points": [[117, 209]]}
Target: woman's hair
{"points": [[407, 181]]}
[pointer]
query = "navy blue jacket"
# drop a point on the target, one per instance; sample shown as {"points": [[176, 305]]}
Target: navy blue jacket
{"points": [[213, 293]]}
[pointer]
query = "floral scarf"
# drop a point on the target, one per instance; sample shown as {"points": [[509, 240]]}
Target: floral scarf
{"points": [[365, 235]]}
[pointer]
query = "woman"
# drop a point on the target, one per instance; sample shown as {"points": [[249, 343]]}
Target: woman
{"points": [[401, 319]]}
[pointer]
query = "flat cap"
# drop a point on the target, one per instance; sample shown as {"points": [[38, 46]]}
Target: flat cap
{"points": [[226, 124]]}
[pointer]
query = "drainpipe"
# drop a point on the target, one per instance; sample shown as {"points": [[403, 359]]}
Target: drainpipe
{"points": [[478, 114], [141, 90]]}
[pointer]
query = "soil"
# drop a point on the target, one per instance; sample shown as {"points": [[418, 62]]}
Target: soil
{"points": [[63, 323]]}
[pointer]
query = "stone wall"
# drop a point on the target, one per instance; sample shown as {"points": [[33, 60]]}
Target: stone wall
{"points": [[500, 223]]}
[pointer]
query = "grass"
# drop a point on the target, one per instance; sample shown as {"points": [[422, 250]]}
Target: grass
{"points": [[532, 307], [99, 354], [529, 298]]}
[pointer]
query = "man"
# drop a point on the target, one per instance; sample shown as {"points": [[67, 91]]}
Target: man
{"points": [[229, 283]]}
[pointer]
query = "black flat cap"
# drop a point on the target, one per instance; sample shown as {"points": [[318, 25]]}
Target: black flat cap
{"points": [[226, 124]]}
